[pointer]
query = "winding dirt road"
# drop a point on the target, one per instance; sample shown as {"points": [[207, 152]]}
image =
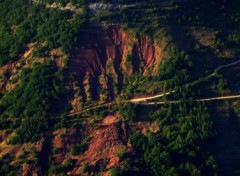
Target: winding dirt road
{"points": [[143, 100], [198, 100], [157, 103], [227, 65], [137, 100]]}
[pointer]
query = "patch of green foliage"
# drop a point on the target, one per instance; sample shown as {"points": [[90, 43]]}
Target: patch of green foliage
{"points": [[30, 130], [5, 167], [61, 168], [128, 111], [33, 100], [22, 22], [236, 107], [175, 70], [115, 171], [38, 90], [138, 84], [178, 149], [85, 168]]}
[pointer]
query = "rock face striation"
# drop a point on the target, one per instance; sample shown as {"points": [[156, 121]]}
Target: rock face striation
{"points": [[98, 46], [104, 148], [103, 57]]}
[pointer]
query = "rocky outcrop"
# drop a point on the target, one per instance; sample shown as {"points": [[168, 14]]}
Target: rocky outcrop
{"points": [[103, 148], [97, 46], [113, 53]]}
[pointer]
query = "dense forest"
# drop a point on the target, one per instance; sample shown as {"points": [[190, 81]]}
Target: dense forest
{"points": [[23, 22], [179, 148], [130, 98]]}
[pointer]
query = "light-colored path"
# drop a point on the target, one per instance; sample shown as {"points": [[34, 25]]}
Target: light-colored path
{"points": [[227, 65], [157, 103], [137, 100], [198, 100], [143, 100]]}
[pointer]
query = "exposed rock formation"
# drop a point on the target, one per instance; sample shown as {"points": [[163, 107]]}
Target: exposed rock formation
{"points": [[97, 46], [113, 53]]}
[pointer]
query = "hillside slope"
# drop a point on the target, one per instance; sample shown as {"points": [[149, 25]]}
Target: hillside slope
{"points": [[119, 87]]}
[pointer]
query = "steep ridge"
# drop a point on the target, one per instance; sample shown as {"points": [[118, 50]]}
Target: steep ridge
{"points": [[103, 58], [98, 45]]}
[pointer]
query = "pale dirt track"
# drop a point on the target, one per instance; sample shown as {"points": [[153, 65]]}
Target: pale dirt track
{"points": [[137, 100], [198, 100], [143, 100], [157, 103]]}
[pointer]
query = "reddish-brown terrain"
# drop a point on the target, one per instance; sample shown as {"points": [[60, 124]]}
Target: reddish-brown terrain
{"points": [[97, 67], [104, 57], [99, 45], [104, 146], [102, 150]]}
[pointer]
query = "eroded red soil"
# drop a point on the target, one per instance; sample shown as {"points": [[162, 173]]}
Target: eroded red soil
{"points": [[98, 45], [105, 144]]}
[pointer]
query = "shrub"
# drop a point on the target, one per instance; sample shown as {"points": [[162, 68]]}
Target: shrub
{"points": [[115, 171], [30, 130], [128, 111]]}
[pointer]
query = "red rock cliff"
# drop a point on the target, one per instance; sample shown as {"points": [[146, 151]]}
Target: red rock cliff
{"points": [[113, 53], [97, 46]]}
